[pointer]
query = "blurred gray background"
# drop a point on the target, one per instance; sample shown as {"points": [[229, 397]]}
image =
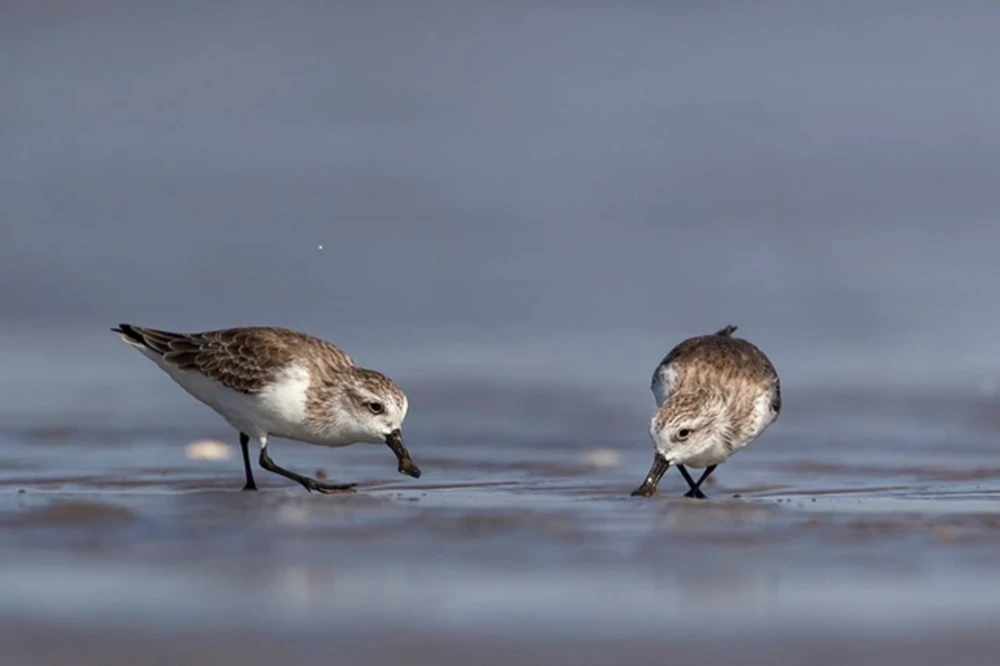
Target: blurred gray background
{"points": [[551, 192], [522, 206]]}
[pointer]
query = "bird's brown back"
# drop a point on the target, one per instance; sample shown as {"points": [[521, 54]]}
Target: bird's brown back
{"points": [[243, 359], [720, 357]]}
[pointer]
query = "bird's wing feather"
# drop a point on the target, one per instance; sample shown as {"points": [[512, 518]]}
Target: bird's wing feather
{"points": [[242, 359]]}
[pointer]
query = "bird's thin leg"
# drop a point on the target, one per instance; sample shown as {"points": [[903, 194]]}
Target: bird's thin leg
{"points": [[307, 483], [695, 491], [245, 445], [687, 477], [707, 473]]}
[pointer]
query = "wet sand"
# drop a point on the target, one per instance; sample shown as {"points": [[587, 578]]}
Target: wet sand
{"points": [[856, 546]]}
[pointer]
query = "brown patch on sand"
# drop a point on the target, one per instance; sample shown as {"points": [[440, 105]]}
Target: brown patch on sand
{"points": [[480, 523], [52, 433], [73, 513]]}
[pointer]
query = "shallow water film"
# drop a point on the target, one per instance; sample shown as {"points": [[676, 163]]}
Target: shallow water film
{"points": [[514, 210]]}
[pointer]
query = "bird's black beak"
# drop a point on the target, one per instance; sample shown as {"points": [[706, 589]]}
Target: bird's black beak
{"points": [[395, 441], [656, 472]]}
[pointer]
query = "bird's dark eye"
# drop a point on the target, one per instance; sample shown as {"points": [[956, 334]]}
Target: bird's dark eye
{"points": [[683, 433], [376, 407]]}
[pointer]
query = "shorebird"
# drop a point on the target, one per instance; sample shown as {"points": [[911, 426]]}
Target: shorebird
{"points": [[715, 394], [268, 381]]}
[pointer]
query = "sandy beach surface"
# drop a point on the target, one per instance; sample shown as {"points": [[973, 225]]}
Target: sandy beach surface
{"points": [[816, 546]]}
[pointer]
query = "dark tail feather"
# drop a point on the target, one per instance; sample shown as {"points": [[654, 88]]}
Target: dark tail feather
{"points": [[727, 332], [128, 331], [150, 338]]}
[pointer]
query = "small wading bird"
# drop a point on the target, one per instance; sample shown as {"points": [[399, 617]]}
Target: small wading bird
{"points": [[272, 381], [715, 394]]}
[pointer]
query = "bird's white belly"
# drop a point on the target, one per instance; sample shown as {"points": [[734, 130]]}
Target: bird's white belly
{"points": [[279, 409], [712, 455]]}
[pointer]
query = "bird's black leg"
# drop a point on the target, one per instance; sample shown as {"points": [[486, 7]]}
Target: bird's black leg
{"points": [[695, 491], [307, 483], [245, 445], [690, 481]]}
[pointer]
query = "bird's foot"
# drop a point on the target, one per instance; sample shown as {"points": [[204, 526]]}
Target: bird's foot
{"points": [[695, 493]]}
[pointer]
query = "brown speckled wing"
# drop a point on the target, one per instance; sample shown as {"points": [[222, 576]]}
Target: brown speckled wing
{"points": [[242, 359], [696, 345], [726, 354]]}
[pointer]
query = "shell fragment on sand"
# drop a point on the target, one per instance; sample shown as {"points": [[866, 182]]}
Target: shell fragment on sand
{"points": [[208, 449]]}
